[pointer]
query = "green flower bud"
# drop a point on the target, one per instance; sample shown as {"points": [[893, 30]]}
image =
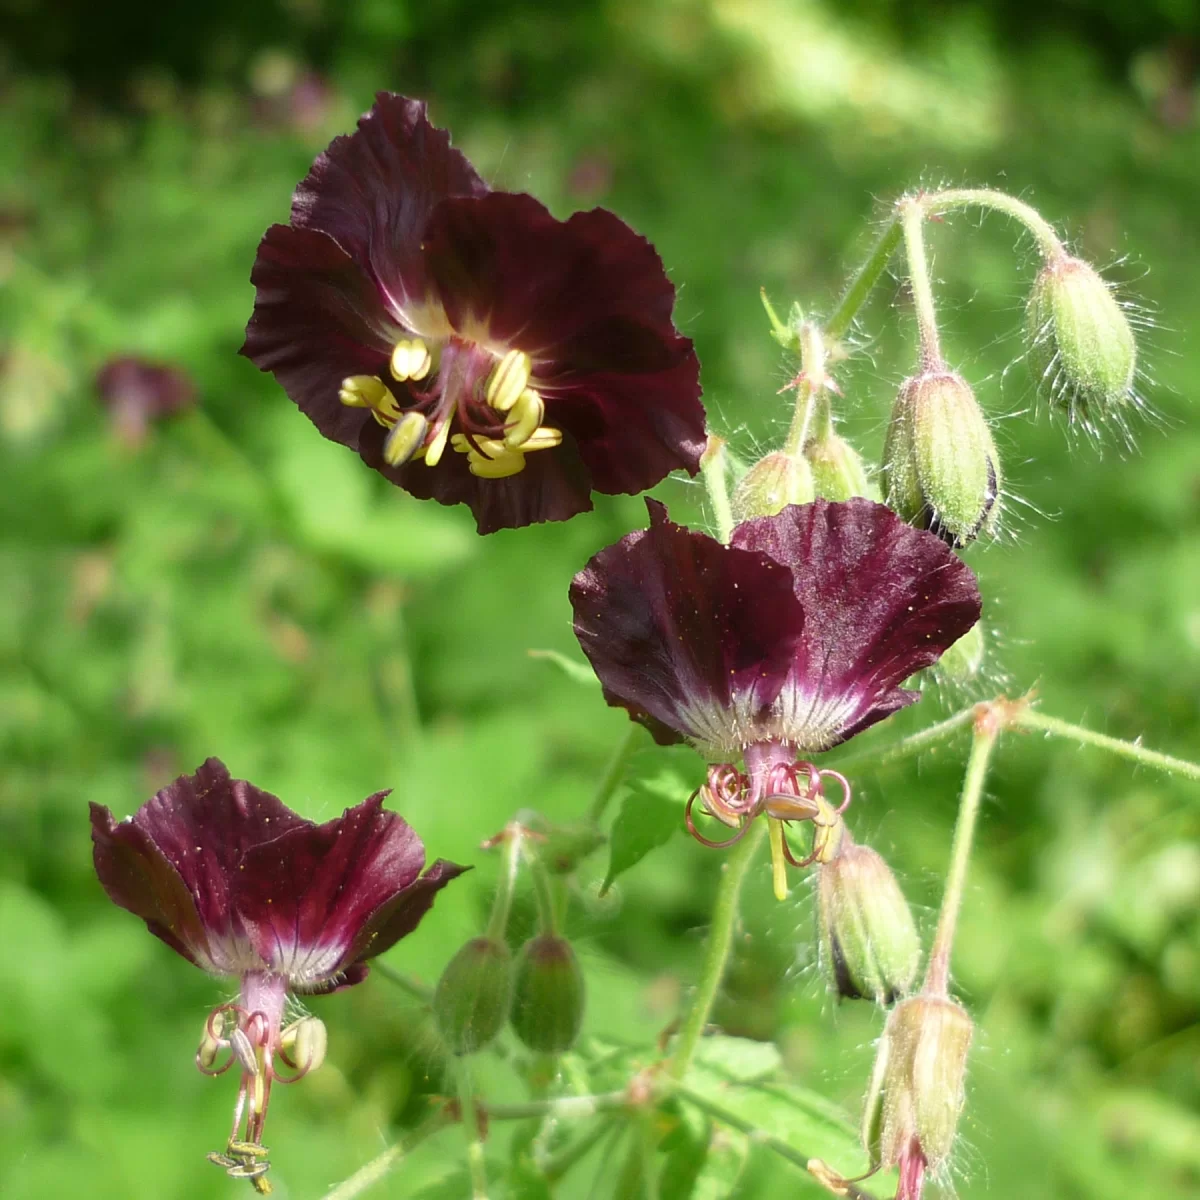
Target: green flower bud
{"points": [[837, 468], [771, 485], [869, 943], [917, 1086], [964, 660], [473, 996], [1081, 346], [548, 999], [941, 471]]}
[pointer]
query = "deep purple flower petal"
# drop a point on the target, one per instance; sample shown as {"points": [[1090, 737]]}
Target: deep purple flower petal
{"points": [[317, 319], [137, 877], [686, 633], [372, 192], [881, 601], [589, 301]]}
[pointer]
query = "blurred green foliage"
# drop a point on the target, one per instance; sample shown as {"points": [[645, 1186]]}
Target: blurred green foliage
{"points": [[237, 586]]}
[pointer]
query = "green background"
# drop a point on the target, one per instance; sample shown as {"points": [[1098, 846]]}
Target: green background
{"points": [[238, 586]]}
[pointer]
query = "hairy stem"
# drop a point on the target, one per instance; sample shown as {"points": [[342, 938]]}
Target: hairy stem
{"points": [[912, 217], [408, 983], [370, 1174], [914, 743], [809, 389], [614, 773], [1030, 718], [506, 885], [987, 730], [936, 203], [864, 280], [470, 1118], [714, 465], [720, 942]]}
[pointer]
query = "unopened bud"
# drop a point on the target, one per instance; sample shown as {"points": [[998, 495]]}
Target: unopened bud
{"points": [[964, 660], [306, 1041], [837, 468], [1082, 350], [869, 942], [548, 999], [473, 996], [916, 1092], [940, 466], [771, 485]]}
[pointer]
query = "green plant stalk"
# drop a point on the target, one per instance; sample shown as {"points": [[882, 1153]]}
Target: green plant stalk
{"points": [[614, 773], [720, 942], [476, 1163], [506, 885], [1030, 718], [914, 743], [408, 983], [809, 389], [937, 975], [371, 1173], [864, 280], [714, 467], [543, 890], [936, 203], [556, 1165], [912, 219]]}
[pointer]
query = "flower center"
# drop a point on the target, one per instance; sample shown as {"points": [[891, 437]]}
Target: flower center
{"points": [[460, 394]]}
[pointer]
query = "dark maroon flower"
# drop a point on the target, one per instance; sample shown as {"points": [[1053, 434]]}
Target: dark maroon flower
{"points": [[470, 346], [238, 884], [783, 644], [137, 391]]}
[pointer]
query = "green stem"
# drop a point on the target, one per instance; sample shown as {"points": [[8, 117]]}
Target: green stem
{"points": [[556, 1165], [714, 466], [759, 1136], [414, 987], [810, 387], [377, 1168], [720, 942], [912, 217], [914, 743], [543, 891], [476, 1163], [936, 203], [1029, 718], [987, 730], [867, 276], [561, 1108], [506, 885], [614, 773]]}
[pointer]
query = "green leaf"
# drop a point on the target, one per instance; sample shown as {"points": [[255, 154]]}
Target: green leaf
{"points": [[646, 821], [740, 1060]]}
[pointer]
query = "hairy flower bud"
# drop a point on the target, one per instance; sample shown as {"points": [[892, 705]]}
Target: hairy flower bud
{"points": [[940, 466], [771, 485], [916, 1091], [548, 998], [869, 943], [964, 660], [1081, 346], [473, 996], [837, 468]]}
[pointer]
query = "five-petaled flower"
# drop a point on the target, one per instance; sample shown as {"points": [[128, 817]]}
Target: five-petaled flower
{"points": [[238, 884], [470, 346], [781, 645]]}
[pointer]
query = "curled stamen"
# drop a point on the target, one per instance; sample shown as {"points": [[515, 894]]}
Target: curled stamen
{"points": [[214, 1040], [691, 825], [843, 783]]}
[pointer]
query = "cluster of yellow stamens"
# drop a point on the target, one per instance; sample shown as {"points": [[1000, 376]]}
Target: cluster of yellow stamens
{"points": [[412, 434]]}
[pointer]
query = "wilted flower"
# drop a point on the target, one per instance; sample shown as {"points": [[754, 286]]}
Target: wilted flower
{"points": [[470, 346], [137, 391], [783, 644], [238, 884]]}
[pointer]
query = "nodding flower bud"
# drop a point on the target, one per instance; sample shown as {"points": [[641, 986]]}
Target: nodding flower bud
{"points": [[1082, 350], [964, 660], [837, 468], [771, 485], [941, 471], [868, 939], [916, 1093], [548, 998], [473, 996]]}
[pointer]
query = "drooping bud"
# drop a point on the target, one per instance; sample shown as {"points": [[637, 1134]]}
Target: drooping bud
{"points": [[869, 942], [474, 995], [771, 485], [837, 468], [916, 1092], [964, 660], [1081, 346], [548, 998], [941, 471]]}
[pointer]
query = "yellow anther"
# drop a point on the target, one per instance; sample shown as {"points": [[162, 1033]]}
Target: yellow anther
{"points": [[526, 415], [435, 449], [405, 437], [367, 391], [306, 1040], [410, 359], [508, 380], [543, 438], [512, 462]]}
